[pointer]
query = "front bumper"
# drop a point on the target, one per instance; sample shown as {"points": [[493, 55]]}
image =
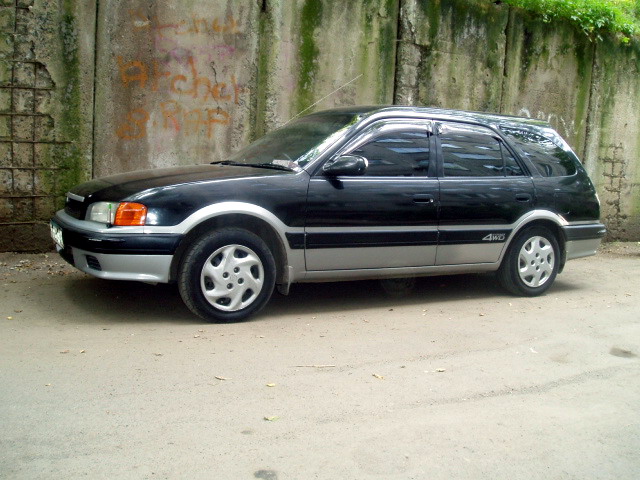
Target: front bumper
{"points": [[115, 253]]}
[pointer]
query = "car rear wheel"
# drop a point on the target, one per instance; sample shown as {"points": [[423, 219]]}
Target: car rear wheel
{"points": [[531, 263], [227, 275]]}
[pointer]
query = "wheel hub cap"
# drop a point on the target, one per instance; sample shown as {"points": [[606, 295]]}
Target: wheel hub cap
{"points": [[232, 278], [536, 261]]}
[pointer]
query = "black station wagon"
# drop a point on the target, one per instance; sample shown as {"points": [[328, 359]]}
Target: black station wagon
{"points": [[343, 194]]}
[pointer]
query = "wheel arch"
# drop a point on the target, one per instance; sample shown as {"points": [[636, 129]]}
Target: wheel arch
{"points": [[548, 220], [246, 221]]}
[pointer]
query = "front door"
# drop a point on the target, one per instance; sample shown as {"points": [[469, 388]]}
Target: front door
{"points": [[385, 218]]}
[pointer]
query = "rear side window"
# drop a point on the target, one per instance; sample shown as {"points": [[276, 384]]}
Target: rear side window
{"points": [[549, 159], [474, 152]]}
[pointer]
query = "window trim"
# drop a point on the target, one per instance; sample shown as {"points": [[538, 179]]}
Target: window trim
{"points": [[382, 128], [441, 128]]}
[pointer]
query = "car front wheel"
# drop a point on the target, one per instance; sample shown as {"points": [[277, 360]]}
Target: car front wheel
{"points": [[531, 263], [227, 275]]}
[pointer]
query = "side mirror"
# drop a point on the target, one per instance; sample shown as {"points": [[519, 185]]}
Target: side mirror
{"points": [[350, 165]]}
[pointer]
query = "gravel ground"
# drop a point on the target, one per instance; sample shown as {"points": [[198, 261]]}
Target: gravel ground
{"points": [[336, 381]]}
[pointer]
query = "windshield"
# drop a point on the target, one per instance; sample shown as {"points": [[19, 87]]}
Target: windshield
{"points": [[295, 144]]}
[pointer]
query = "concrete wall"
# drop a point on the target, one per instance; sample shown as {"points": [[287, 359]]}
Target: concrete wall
{"points": [[95, 87], [175, 81], [46, 112], [612, 151]]}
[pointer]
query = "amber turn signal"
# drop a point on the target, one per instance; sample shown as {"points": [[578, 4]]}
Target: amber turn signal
{"points": [[130, 214]]}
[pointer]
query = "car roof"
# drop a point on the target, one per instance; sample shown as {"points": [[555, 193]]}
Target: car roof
{"points": [[371, 112]]}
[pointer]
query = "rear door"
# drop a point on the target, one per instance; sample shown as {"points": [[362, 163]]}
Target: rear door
{"points": [[483, 192], [383, 219]]}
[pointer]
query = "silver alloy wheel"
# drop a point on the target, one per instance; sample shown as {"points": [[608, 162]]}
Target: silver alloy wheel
{"points": [[232, 278], [536, 261]]}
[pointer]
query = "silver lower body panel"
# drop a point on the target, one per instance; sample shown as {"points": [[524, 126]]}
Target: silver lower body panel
{"points": [[142, 268], [375, 273], [469, 253], [370, 257], [582, 248]]}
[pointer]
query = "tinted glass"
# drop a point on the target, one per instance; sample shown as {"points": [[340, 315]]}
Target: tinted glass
{"points": [[397, 154], [511, 167], [470, 154], [295, 142], [550, 160]]}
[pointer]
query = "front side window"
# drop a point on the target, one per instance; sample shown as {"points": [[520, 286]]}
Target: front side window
{"points": [[469, 151], [396, 154]]}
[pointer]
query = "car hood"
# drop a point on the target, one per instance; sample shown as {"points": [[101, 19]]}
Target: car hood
{"points": [[119, 187]]}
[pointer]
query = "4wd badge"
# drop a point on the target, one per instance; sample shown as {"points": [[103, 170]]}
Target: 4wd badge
{"points": [[494, 237]]}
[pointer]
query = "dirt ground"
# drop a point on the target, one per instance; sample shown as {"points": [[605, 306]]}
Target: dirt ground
{"points": [[458, 380]]}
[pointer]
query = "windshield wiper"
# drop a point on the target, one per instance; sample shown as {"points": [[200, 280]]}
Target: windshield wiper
{"points": [[271, 166], [229, 162], [275, 166]]}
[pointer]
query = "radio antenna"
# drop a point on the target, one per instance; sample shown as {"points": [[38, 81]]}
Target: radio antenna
{"points": [[323, 98]]}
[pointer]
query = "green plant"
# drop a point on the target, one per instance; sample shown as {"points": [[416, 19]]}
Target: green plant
{"points": [[594, 17]]}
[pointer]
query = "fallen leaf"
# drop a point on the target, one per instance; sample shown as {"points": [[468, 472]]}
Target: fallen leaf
{"points": [[222, 378], [271, 419], [379, 377], [271, 384]]}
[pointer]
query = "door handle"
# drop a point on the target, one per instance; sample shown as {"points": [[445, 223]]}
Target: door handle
{"points": [[423, 199], [523, 197]]}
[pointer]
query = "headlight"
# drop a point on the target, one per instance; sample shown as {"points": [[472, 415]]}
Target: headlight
{"points": [[103, 212], [121, 214]]}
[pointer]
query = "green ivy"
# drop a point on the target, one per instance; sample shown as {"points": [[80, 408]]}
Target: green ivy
{"points": [[594, 17]]}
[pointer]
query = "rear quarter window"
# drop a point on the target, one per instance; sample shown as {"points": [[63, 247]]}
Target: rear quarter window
{"points": [[549, 159]]}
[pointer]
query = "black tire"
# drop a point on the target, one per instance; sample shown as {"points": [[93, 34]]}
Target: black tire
{"points": [[531, 264], [239, 277]]}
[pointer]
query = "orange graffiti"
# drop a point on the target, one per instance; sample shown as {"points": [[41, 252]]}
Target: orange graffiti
{"points": [[196, 86], [135, 126], [136, 71], [193, 26], [175, 117]]}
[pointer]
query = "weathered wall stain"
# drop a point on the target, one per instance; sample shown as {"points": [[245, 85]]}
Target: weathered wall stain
{"points": [[178, 90], [175, 73], [45, 135], [194, 25]]}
